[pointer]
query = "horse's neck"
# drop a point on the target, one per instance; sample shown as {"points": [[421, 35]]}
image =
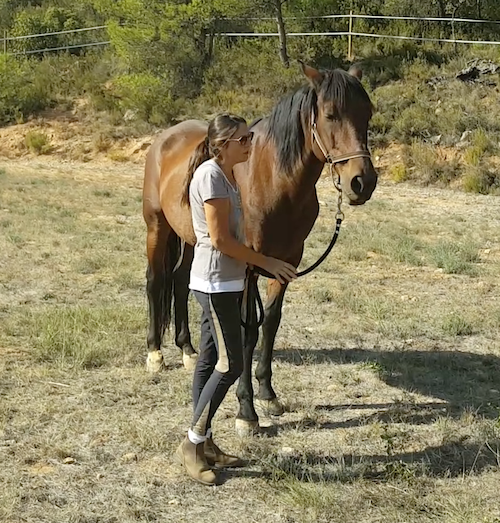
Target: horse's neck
{"points": [[308, 175], [273, 185]]}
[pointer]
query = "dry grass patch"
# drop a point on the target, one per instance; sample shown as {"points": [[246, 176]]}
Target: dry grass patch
{"points": [[387, 362]]}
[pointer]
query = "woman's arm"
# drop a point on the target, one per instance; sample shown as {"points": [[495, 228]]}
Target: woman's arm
{"points": [[217, 216]]}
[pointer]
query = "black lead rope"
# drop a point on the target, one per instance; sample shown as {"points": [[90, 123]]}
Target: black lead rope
{"points": [[252, 289]]}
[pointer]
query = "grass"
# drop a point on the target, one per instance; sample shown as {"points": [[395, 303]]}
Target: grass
{"points": [[456, 258], [86, 337], [387, 361], [457, 325], [37, 142]]}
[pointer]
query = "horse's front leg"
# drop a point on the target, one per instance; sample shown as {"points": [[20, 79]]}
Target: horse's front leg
{"points": [[181, 295], [267, 399], [247, 421]]}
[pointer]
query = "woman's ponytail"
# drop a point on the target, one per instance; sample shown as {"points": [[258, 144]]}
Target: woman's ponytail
{"points": [[201, 154]]}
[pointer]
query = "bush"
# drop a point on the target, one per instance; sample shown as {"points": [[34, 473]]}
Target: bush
{"points": [[398, 173], [481, 180], [427, 166], [36, 142], [148, 96], [47, 20], [247, 80], [23, 92]]}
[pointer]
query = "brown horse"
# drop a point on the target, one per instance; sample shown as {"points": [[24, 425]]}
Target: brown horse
{"points": [[327, 120]]}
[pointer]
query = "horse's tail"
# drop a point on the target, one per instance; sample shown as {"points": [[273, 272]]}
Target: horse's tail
{"points": [[200, 155], [166, 283]]}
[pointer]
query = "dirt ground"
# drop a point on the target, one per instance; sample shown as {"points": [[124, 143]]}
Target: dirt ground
{"points": [[387, 362]]}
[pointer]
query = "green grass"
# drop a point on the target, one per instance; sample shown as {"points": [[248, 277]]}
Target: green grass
{"points": [[457, 325], [37, 142], [87, 337], [456, 258]]}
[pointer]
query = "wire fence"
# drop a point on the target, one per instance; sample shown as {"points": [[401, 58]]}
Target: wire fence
{"points": [[14, 39], [6, 41]]}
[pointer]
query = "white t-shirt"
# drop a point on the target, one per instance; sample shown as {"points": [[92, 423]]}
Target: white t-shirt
{"points": [[213, 271]]}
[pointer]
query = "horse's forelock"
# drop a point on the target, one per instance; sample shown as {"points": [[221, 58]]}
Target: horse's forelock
{"points": [[342, 89]]}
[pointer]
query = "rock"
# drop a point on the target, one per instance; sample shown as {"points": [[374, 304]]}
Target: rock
{"points": [[69, 461], [130, 115], [464, 140], [465, 135], [287, 451], [121, 219], [140, 146], [476, 68], [128, 458]]}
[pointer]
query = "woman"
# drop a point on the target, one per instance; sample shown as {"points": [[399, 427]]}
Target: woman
{"points": [[217, 280]]}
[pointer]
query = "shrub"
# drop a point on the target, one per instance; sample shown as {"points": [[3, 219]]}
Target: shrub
{"points": [[22, 93], [481, 180], [147, 95], [37, 142]]}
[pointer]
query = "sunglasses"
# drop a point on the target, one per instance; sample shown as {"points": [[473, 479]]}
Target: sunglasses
{"points": [[242, 140]]}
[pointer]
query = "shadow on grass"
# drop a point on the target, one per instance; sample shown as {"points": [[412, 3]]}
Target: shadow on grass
{"points": [[463, 380], [448, 460], [410, 413]]}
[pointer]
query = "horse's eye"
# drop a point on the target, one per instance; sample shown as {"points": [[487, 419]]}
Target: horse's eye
{"points": [[332, 116]]}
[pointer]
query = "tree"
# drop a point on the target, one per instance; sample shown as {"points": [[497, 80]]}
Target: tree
{"points": [[277, 6]]}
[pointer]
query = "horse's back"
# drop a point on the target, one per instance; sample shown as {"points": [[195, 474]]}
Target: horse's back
{"points": [[166, 167]]}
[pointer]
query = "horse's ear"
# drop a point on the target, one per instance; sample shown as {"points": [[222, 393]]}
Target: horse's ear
{"points": [[355, 70], [314, 76]]}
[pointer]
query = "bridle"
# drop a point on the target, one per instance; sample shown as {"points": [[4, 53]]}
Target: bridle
{"points": [[252, 291], [329, 158]]}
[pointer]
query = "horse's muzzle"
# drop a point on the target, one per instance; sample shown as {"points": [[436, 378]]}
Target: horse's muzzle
{"points": [[361, 188]]}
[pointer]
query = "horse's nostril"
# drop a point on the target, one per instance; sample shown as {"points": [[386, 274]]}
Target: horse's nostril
{"points": [[357, 185]]}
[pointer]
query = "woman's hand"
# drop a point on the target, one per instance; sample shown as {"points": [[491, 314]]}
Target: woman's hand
{"points": [[217, 215], [282, 271]]}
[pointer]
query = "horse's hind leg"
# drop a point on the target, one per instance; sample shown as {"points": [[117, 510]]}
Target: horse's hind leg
{"points": [[181, 294], [159, 285], [266, 398]]}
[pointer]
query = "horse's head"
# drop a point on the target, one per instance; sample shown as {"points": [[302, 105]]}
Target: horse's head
{"points": [[339, 129]]}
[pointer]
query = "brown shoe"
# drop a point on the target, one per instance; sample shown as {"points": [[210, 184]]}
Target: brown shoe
{"points": [[215, 456], [193, 458]]}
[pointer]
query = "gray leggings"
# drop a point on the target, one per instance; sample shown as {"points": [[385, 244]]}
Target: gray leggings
{"points": [[220, 360]]}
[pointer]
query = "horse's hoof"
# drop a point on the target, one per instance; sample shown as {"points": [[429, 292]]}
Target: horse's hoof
{"points": [[246, 428], [189, 360], [270, 407], [154, 361]]}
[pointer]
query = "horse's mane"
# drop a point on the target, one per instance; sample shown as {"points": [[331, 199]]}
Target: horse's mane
{"points": [[284, 125]]}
